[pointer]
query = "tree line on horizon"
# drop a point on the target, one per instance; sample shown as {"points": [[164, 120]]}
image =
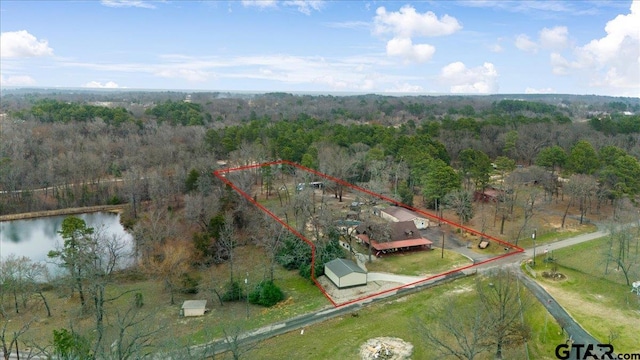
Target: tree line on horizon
{"points": [[160, 161]]}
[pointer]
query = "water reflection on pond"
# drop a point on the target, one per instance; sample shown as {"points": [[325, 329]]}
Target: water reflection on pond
{"points": [[34, 238]]}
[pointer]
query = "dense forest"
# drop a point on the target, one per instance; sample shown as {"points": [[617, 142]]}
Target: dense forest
{"points": [[73, 144], [156, 151]]}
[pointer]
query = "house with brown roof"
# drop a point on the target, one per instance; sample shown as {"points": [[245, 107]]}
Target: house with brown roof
{"points": [[488, 195], [402, 236], [400, 214]]}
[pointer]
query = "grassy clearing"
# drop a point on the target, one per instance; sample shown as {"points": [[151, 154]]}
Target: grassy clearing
{"points": [[602, 304], [302, 296], [341, 338], [590, 258], [418, 263], [556, 235]]}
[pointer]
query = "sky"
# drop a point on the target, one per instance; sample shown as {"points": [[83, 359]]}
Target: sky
{"points": [[315, 46]]}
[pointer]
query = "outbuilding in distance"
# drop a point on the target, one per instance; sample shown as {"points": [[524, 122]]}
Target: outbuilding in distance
{"points": [[193, 308], [345, 273]]}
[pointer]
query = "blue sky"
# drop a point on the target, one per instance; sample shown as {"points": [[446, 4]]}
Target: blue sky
{"points": [[419, 47]]}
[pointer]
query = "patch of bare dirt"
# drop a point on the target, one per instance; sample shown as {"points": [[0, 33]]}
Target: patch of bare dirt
{"points": [[388, 348], [556, 276]]}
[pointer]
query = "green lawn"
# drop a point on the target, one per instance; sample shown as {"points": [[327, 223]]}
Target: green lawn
{"points": [[555, 235], [602, 303], [590, 258], [418, 263], [342, 337]]}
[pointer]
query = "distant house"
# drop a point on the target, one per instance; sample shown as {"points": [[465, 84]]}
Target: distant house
{"points": [[345, 273], [403, 236], [193, 308], [488, 195], [399, 214], [314, 184]]}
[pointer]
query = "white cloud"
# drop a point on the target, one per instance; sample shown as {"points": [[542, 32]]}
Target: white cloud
{"points": [[554, 38], [404, 47], [611, 62], [349, 25], [128, 3], [544, 8], [619, 31], [305, 6], [356, 73], [17, 80], [99, 85], [461, 79], [191, 75], [496, 48], [559, 65], [525, 44], [21, 44], [405, 88], [407, 23], [530, 90], [259, 3]]}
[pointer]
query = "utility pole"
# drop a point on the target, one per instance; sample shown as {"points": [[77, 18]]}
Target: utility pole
{"points": [[442, 252], [246, 285], [533, 237]]}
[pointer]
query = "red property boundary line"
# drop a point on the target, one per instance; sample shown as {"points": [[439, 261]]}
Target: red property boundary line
{"points": [[221, 174]]}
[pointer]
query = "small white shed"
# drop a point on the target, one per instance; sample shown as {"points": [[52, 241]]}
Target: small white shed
{"points": [[193, 308], [345, 273]]}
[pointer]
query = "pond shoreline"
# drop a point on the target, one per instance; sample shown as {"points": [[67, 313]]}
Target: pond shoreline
{"points": [[68, 211]]}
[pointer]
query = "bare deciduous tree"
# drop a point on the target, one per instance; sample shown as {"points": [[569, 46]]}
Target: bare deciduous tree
{"points": [[461, 333], [10, 341], [624, 251], [270, 237], [503, 300], [335, 161], [226, 243], [580, 188]]}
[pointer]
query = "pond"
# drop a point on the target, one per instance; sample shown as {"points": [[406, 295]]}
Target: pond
{"points": [[34, 238]]}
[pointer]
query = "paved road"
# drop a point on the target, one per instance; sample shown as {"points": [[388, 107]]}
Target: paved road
{"points": [[571, 327], [575, 332], [299, 323]]}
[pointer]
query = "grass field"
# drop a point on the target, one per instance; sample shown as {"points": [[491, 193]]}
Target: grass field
{"points": [[342, 337], [602, 304], [556, 235], [418, 263], [302, 296], [606, 309]]}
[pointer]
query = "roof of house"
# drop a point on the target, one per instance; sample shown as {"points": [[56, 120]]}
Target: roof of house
{"points": [[404, 230], [401, 213], [194, 304], [342, 267], [395, 244]]}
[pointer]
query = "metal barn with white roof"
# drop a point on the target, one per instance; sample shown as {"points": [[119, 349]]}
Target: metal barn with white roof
{"points": [[345, 273]]}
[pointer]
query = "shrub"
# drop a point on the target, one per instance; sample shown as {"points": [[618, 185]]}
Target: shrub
{"points": [[190, 283], [294, 253], [305, 271], [138, 300], [70, 345], [114, 200], [266, 294], [233, 292]]}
